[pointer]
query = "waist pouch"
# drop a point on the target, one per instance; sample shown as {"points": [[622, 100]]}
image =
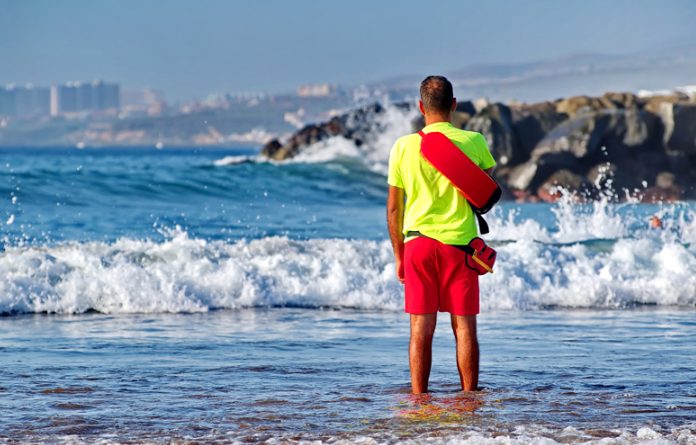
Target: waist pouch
{"points": [[480, 257]]}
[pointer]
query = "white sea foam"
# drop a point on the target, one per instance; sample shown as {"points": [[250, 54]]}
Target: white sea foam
{"points": [[532, 435], [573, 223], [530, 275], [522, 435], [234, 160], [184, 274], [191, 275], [394, 122]]}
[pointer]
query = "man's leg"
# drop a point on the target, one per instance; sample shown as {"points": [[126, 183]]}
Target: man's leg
{"points": [[421, 350], [464, 327]]}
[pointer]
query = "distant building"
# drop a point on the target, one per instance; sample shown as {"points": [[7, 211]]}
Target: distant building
{"points": [[317, 90], [55, 101], [7, 102], [31, 101], [23, 101], [26, 101], [41, 100], [63, 98], [84, 96], [220, 99], [84, 99], [108, 95]]}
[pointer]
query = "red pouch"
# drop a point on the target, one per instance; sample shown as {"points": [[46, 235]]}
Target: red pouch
{"points": [[481, 257]]}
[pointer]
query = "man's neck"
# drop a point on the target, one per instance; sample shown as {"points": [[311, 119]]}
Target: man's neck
{"points": [[434, 119]]}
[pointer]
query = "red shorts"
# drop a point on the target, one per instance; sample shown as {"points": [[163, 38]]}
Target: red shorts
{"points": [[437, 278]]}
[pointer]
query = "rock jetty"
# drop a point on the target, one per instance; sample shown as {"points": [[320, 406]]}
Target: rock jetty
{"points": [[642, 148]]}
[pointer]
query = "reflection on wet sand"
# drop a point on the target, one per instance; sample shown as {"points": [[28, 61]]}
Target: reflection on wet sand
{"points": [[443, 409]]}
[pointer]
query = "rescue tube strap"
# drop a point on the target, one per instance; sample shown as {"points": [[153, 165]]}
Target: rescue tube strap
{"points": [[483, 225]]}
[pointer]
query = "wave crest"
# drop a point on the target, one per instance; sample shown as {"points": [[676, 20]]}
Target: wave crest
{"points": [[193, 275], [373, 151], [184, 274]]}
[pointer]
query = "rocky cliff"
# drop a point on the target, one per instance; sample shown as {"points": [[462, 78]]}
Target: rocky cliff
{"points": [[643, 148]]}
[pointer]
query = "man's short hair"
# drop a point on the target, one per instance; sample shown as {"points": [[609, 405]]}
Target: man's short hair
{"points": [[436, 94]]}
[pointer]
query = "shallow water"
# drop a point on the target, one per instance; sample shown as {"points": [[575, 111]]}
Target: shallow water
{"points": [[298, 374], [181, 296]]}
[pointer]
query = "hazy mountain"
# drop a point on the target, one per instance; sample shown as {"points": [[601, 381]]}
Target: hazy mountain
{"points": [[590, 74]]}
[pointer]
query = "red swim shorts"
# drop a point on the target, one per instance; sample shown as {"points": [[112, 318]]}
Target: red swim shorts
{"points": [[437, 278]]}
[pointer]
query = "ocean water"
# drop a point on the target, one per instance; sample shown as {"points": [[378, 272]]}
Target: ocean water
{"points": [[202, 295]]}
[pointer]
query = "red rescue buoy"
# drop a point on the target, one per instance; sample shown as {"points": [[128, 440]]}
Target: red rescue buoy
{"points": [[474, 184]]}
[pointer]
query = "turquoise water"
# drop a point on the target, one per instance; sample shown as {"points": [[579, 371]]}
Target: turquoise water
{"points": [[183, 295]]}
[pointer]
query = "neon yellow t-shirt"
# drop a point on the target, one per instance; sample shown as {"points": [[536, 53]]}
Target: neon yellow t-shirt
{"points": [[433, 206]]}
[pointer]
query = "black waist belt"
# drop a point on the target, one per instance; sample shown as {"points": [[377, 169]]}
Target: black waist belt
{"points": [[463, 247]]}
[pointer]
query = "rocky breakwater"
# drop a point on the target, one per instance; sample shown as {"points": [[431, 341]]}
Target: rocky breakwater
{"points": [[617, 144], [358, 126]]}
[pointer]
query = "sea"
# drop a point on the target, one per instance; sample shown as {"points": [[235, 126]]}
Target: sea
{"points": [[204, 295]]}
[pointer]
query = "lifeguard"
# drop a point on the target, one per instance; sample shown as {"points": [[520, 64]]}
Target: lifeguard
{"points": [[432, 264]]}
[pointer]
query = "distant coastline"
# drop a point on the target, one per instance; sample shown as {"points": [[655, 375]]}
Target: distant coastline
{"points": [[226, 122]]}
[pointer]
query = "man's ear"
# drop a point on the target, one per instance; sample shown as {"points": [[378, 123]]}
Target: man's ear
{"points": [[421, 108], [454, 104]]}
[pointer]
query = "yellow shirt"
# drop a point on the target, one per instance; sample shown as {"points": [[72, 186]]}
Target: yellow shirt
{"points": [[433, 206]]}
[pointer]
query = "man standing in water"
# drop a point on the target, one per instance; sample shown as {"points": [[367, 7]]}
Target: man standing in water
{"points": [[430, 265]]}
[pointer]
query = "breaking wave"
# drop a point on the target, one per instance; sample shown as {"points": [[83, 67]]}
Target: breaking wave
{"points": [[374, 152], [595, 257]]}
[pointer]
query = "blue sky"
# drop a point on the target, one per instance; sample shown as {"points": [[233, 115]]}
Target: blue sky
{"points": [[193, 48]]}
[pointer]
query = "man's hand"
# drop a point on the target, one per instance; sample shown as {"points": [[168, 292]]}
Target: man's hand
{"points": [[395, 221], [400, 270]]}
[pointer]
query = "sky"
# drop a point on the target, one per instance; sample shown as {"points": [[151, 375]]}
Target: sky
{"points": [[195, 48]]}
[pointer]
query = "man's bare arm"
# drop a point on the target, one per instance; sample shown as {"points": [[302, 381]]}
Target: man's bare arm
{"points": [[490, 170], [395, 221]]}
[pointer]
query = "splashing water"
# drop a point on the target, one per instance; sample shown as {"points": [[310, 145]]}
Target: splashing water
{"points": [[374, 153], [536, 268]]}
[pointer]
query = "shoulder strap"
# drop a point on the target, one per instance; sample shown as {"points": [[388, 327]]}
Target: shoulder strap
{"points": [[421, 134], [483, 225]]}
